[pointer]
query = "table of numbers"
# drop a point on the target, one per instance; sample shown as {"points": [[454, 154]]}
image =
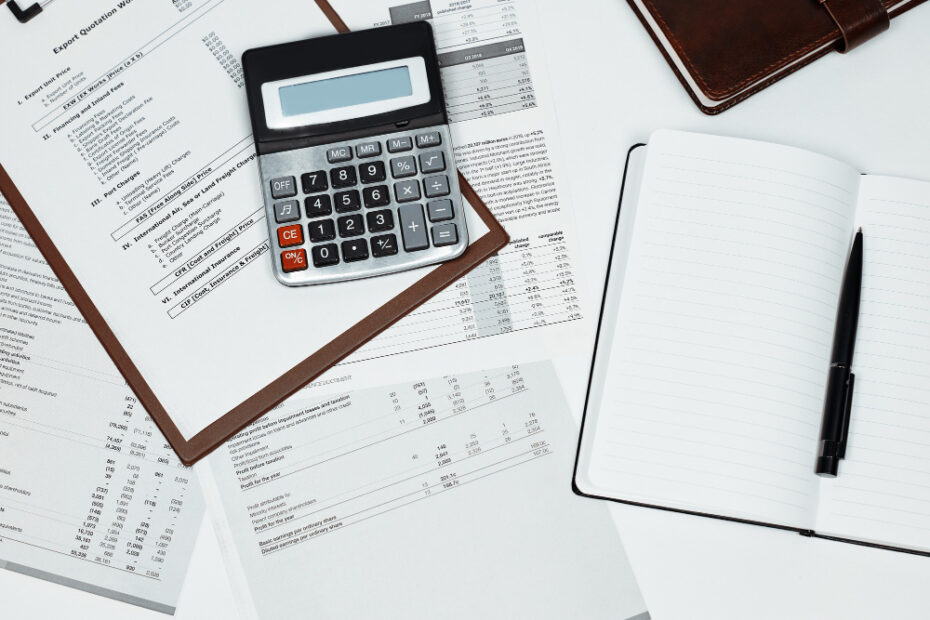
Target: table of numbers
{"points": [[482, 57], [529, 284]]}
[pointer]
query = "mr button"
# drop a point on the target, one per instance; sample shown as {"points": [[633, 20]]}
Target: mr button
{"points": [[290, 235]]}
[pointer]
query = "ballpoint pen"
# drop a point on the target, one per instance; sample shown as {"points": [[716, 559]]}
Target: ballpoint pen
{"points": [[838, 402]]}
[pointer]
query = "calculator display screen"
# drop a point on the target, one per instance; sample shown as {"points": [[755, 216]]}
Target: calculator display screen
{"points": [[345, 91], [345, 94]]}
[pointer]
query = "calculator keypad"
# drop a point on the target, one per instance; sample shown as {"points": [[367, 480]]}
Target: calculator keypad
{"points": [[379, 205]]}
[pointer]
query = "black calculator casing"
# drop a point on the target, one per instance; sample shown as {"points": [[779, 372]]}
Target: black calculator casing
{"points": [[321, 235], [342, 51]]}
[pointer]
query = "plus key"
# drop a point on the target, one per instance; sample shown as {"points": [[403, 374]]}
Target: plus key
{"points": [[413, 227]]}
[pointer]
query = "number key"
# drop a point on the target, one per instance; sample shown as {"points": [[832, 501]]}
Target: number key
{"points": [[317, 206], [376, 196], [343, 177], [372, 172], [314, 182], [323, 230], [351, 226], [347, 201], [379, 221], [325, 255]]}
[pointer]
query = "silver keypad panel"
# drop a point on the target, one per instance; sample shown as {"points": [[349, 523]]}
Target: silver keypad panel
{"points": [[363, 208]]}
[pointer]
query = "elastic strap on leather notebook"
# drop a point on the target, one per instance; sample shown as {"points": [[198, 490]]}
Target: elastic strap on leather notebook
{"points": [[858, 20]]}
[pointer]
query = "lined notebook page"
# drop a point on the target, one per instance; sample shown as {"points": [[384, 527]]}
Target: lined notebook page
{"points": [[882, 492], [715, 376]]}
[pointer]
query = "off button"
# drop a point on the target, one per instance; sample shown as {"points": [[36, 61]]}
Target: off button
{"points": [[283, 187]]}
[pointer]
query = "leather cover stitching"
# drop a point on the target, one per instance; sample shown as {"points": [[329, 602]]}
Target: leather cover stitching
{"points": [[714, 93]]}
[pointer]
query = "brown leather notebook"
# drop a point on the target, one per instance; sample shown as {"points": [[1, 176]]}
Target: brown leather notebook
{"points": [[724, 52], [192, 449]]}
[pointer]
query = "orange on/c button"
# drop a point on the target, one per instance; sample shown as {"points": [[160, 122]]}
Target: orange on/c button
{"points": [[294, 260], [290, 235]]}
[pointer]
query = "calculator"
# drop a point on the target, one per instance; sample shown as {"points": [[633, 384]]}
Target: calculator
{"points": [[355, 155]]}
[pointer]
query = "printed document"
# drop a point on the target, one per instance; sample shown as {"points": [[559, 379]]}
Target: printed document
{"points": [[444, 497], [91, 496], [527, 300], [154, 200], [127, 131]]}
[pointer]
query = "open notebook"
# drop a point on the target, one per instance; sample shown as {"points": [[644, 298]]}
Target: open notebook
{"points": [[710, 369]]}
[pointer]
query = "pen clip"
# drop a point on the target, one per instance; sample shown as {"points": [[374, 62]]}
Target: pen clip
{"points": [[847, 414]]}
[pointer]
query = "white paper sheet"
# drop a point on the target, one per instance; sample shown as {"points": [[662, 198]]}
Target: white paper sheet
{"points": [[91, 496], [527, 301], [711, 385], [439, 497], [128, 134]]}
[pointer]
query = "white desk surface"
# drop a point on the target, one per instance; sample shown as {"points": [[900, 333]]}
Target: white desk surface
{"points": [[612, 88]]}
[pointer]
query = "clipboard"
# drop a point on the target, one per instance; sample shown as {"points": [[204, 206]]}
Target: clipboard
{"points": [[201, 444]]}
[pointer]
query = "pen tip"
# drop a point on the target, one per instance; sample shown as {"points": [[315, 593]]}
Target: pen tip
{"points": [[860, 230]]}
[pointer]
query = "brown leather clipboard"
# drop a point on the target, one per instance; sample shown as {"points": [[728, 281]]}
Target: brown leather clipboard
{"points": [[192, 450]]}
